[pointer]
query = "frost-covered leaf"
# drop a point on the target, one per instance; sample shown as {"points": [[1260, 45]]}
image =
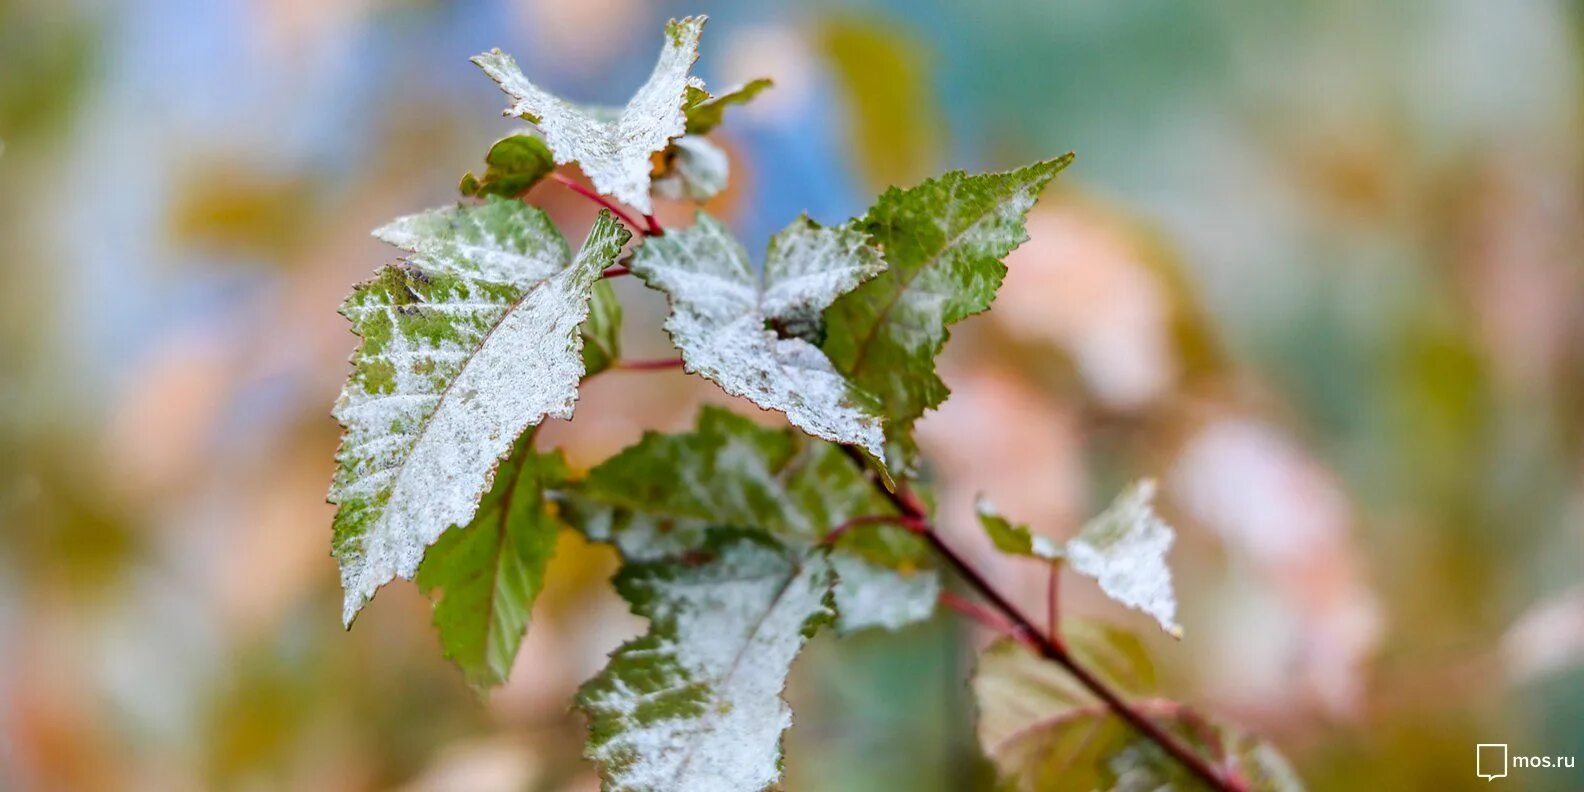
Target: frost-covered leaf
{"points": [[1014, 538], [613, 148], [512, 165], [491, 570], [602, 330], [722, 313], [705, 112], [1124, 550], [696, 702], [1043, 731], [870, 595], [943, 241], [696, 170], [655, 499], [470, 341]]}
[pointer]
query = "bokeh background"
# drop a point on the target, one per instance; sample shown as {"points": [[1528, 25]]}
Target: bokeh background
{"points": [[1317, 268]]}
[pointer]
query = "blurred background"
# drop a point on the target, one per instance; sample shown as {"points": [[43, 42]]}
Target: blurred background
{"points": [[1317, 268]]}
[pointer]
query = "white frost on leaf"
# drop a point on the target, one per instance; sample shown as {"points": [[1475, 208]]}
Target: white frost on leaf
{"points": [[721, 312], [869, 595], [1010, 537], [1124, 549], [470, 342], [696, 703], [613, 148], [698, 170]]}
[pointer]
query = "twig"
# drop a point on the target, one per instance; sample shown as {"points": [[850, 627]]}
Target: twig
{"points": [[1053, 604], [909, 506], [910, 523], [981, 614], [648, 365], [647, 229]]}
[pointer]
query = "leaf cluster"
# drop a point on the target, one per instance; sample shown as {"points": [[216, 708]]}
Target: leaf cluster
{"points": [[738, 541]]}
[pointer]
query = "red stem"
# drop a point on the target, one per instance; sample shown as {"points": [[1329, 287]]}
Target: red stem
{"points": [[910, 523], [1053, 605], [648, 365], [647, 229], [980, 614], [615, 271], [1051, 650], [652, 226]]}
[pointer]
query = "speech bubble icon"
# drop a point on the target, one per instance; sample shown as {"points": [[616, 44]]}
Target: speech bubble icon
{"points": [[1490, 761]]}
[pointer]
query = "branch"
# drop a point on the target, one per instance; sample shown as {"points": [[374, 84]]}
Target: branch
{"points": [[647, 365], [650, 228], [908, 504], [981, 614], [1053, 604], [910, 523]]}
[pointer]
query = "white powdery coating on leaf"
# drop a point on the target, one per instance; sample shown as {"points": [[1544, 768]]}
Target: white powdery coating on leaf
{"points": [[868, 595], [613, 152], [471, 243], [699, 171], [1124, 550], [524, 367], [736, 623], [1001, 530], [719, 310]]}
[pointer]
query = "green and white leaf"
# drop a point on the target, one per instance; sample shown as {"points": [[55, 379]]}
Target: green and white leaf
{"points": [[871, 595], [696, 170], [613, 148], [1042, 730], [491, 570], [1014, 538], [602, 330], [696, 702], [705, 112], [655, 499], [1124, 549], [512, 165], [943, 241], [466, 344], [721, 311]]}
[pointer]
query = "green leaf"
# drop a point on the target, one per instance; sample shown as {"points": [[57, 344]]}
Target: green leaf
{"points": [[491, 570], [512, 165], [722, 315], [656, 498], [943, 242], [470, 341], [869, 594], [1015, 539], [696, 702], [602, 330], [695, 169], [892, 117], [705, 112], [612, 147], [1042, 730]]}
